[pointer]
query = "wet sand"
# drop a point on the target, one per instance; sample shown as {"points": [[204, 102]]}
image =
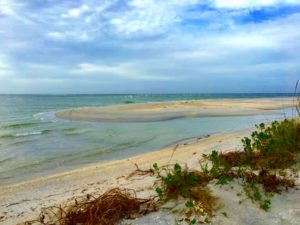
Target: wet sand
{"points": [[149, 112]]}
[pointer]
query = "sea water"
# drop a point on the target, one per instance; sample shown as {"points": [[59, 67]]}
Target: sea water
{"points": [[34, 143]]}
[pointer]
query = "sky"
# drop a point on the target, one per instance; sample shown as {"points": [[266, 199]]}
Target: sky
{"points": [[149, 46]]}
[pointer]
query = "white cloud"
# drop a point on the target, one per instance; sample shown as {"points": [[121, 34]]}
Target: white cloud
{"points": [[277, 35], [56, 35], [93, 68], [6, 7], [76, 12], [150, 16], [242, 4], [125, 70], [13, 9], [269, 48], [73, 35]]}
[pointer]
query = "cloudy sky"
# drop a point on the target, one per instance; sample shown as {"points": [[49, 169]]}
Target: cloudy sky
{"points": [[149, 46]]}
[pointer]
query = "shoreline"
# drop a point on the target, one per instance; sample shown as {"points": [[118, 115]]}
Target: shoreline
{"points": [[23, 201], [112, 163]]}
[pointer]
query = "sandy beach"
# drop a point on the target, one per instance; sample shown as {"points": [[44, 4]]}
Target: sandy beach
{"points": [[177, 109], [24, 201]]}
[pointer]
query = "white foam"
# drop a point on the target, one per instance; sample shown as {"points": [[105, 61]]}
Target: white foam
{"points": [[28, 133], [46, 116]]}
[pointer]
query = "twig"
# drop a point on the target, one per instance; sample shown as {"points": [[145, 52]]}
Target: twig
{"points": [[175, 148]]}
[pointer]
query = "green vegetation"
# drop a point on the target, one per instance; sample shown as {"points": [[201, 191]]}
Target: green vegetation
{"points": [[177, 182], [264, 167]]}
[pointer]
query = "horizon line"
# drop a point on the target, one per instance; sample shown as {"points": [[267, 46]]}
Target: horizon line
{"points": [[149, 93]]}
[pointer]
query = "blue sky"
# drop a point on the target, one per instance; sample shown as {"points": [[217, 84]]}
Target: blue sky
{"points": [[149, 46]]}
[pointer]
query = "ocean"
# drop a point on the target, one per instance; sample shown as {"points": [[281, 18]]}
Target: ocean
{"points": [[34, 143]]}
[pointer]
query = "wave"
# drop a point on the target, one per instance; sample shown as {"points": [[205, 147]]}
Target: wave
{"points": [[70, 129], [28, 134], [20, 125], [46, 117], [24, 134], [32, 133], [75, 131]]}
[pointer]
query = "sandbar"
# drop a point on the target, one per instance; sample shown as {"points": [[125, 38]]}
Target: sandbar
{"points": [[160, 111]]}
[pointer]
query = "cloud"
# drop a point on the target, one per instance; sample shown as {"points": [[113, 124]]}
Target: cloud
{"points": [[76, 12], [93, 68], [244, 4], [12, 9], [68, 23], [153, 17], [65, 36], [175, 44], [56, 35], [149, 17], [126, 70], [6, 7]]}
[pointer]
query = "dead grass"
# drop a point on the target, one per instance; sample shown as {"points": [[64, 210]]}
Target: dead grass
{"points": [[106, 209]]}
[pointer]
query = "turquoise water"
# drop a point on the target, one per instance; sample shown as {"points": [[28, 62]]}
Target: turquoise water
{"points": [[33, 142]]}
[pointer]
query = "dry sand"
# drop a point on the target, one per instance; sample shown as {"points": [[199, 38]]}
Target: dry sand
{"points": [[23, 201], [147, 112]]}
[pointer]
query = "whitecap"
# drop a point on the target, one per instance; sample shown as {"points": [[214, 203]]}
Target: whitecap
{"points": [[28, 133], [46, 116]]}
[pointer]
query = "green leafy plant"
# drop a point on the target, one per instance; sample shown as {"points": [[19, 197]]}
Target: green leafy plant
{"points": [[270, 148], [175, 182], [265, 205]]}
